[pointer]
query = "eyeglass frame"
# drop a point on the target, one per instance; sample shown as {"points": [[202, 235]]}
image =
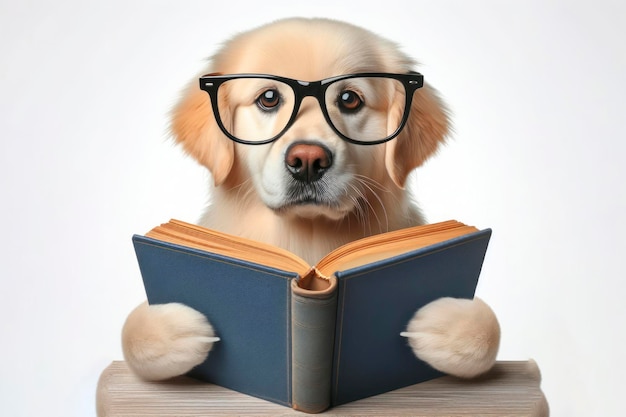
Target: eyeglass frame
{"points": [[411, 81]]}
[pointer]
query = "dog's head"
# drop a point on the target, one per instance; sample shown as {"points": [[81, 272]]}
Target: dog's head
{"points": [[310, 170]]}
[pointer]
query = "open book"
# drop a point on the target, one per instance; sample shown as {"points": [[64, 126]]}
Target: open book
{"points": [[311, 336]]}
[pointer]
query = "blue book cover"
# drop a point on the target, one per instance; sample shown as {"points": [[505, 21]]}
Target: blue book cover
{"points": [[334, 341]]}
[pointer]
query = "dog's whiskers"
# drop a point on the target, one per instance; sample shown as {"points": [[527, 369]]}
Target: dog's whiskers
{"points": [[364, 205], [374, 184], [362, 208], [247, 190]]}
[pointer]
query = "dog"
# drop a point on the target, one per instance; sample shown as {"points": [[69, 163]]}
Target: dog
{"points": [[300, 123]]}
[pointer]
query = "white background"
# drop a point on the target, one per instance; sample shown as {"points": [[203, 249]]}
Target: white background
{"points": [[538, 94]]}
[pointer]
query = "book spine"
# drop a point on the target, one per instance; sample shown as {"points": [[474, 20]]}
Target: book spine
{"points": [[313, 316]]}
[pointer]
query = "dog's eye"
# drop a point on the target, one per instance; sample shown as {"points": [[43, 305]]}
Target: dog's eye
{"points": [[349, 101], [268, 100]]}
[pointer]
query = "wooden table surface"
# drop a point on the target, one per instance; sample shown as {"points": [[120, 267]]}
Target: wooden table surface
{"points": [[509, 389]]}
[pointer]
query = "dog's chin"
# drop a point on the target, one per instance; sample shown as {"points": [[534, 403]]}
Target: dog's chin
{"points": [[313, 210]]}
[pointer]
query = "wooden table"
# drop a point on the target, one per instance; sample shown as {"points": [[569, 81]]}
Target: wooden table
{"points": [[509, 389]]}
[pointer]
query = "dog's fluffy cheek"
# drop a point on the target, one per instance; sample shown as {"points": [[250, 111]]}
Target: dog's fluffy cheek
{"points": [[264, 166], [366, 164]]}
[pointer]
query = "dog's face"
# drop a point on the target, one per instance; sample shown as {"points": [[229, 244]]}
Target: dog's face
{"points": [[310, 171]]}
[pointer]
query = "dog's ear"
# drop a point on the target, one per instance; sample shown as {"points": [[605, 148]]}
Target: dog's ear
{"points": [[194, 127], [425, 130]]}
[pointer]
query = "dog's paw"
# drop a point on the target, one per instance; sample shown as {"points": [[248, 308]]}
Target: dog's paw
{"points": [[455, 336], [165, 340]]}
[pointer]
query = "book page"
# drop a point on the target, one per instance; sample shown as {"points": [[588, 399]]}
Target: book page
{"points": [[360, 252], [224, 244], [387, 245]]}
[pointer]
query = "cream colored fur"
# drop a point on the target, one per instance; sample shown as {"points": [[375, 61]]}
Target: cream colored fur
{"points": [[455, 336], [459, 337]]}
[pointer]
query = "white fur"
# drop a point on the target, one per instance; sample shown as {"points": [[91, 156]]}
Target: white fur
{"points": [[456, 336], [163, 341]]}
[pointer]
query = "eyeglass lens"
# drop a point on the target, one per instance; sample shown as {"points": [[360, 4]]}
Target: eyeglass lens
{"points": [[364, 109]]}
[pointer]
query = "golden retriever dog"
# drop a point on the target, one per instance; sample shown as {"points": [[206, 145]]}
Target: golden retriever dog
{"points": [[310, 128]]}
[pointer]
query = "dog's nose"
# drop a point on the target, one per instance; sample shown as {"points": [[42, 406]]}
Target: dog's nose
{"points": [[307, 162]]}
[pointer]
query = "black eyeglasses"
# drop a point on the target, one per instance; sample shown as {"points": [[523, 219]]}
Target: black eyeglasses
{"points": [[367, 109]]}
